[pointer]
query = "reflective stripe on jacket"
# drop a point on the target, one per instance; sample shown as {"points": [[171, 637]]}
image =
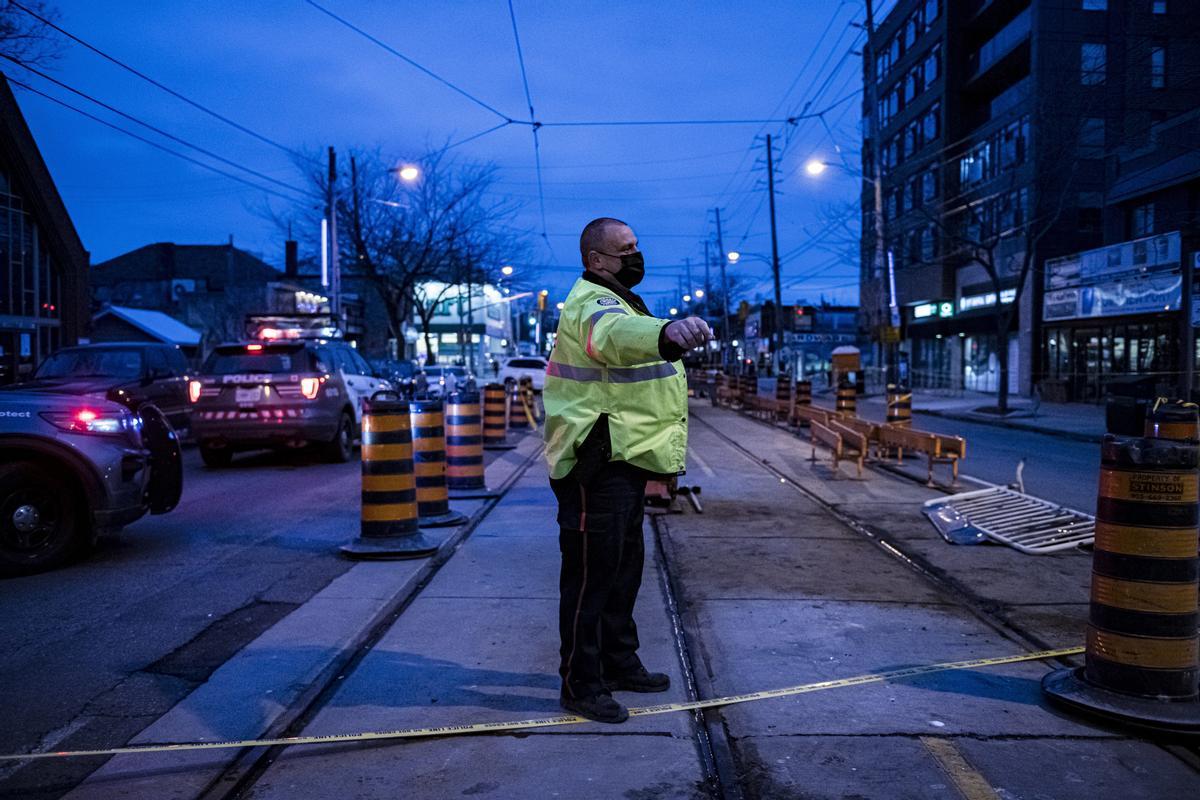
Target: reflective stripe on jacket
{"points": [[606, 361]]}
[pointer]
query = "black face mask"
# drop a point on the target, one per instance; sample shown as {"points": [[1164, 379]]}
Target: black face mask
{"points": [[633, 268]]}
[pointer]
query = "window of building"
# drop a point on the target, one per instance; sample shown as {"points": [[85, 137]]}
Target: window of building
{"points": [[932, 122], [932, 65], [1093, 63], [1159, 7], [894, 50], [932, 9], [1095, 5], [929, 185], [912, 139], [928, 243], [908, 196], [912, 29], [1158, 67], [1141, 221], [1091, 137]]}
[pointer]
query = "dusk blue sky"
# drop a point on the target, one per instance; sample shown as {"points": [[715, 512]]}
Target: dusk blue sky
{"points": [[284, 69]]}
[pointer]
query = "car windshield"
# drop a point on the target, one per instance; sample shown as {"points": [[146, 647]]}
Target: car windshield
{"points": [[234, 360], [100, 363]]}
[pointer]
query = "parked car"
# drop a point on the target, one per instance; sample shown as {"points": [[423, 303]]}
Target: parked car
{"points": [[441, 380], [72, 468], [519, 366], [405, 376], [131, 374], [280, 394]]}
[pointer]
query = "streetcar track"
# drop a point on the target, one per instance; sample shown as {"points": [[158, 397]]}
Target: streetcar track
{"points": [[245, 772], [980, 607]]}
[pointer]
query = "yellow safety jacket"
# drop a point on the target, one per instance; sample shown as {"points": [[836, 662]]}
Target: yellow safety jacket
{"points": [[606, 360]]}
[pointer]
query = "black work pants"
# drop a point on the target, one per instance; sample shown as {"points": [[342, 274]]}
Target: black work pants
{"points": [[600, 537]]}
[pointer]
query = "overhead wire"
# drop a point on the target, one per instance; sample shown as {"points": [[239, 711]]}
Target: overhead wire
{"points": [[159, 131], [177, 95], [416, 65], [537, 145], [151, 142]]}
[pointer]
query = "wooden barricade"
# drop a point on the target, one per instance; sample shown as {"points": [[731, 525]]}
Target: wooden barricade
{"points": [[806, 415], [854, 444], [937, 448], [868, 429]]}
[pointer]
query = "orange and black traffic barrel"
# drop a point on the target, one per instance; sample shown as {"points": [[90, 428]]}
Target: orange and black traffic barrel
{"points": [[804, 393], [517, 420], [899, 405], [464, 446], [389, 527], [1142, 656], [495, 420], [429, 465], [847, 398], [783, 396]]}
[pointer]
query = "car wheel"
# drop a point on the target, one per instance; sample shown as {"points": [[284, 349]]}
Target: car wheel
{"points": [[216, 457], [339, 450], [39, 520]]}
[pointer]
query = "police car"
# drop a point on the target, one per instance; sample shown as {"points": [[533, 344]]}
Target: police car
{"points": [[72, 468], [280, 391]]}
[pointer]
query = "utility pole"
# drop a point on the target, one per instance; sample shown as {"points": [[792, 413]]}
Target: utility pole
{"points": [[774, 258], [707, 285], [724, 295], [687, 263], [335, 272], [878, 263]]}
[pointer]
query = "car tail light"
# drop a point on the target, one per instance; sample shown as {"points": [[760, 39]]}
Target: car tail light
{"points": [[86, 420], [194, 390], [309, 387], [254, 348]]}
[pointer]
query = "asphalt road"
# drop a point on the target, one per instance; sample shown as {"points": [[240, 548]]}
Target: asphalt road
{"points": [[1061, 470], [92, 653]]}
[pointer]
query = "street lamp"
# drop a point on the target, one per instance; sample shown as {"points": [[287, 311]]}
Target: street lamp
{"points": [[699, 293], [408, 173], [733, 256], [506, 270], [674, 311], [687, 298], [815, 167]]}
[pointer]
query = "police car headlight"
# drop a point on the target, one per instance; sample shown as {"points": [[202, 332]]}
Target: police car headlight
{"points": [[87, 420]]}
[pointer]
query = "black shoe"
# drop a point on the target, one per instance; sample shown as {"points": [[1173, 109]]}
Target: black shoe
{"points": [[639, 680], [596, 707]]}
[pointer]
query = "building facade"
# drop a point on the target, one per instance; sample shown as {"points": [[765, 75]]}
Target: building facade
{"points": [[43, 266], [998, 121]]}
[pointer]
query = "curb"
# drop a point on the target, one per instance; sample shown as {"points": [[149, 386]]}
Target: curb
{"points": [[1020, 426]]}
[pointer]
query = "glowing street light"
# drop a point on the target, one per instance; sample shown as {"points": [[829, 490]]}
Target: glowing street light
{"points": [[815, 167], [409, 173], [699, 293], [506, 270], [687, 298], [733, 256], [559, 306], [674, 311]]}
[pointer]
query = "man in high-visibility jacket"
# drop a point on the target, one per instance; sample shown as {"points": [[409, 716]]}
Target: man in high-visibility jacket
{"points": [[616, 415]]}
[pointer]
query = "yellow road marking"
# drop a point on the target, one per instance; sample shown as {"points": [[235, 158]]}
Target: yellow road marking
{"points": [[969, 781], [567, 719]]}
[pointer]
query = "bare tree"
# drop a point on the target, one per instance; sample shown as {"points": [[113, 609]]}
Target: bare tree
{"points": [[25, 39], [404, 239]]}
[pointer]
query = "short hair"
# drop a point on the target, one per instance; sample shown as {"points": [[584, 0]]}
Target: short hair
{"points": [[593, 235]]}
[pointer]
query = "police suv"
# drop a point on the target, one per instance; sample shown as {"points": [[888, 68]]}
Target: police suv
{"points": [[280, 392], [74, 467]]}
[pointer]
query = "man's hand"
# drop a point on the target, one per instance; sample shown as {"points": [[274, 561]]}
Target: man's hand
{"points": [[689, 333]]}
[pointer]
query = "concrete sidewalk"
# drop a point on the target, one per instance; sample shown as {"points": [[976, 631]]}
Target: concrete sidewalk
{"points": [[1082, 422], [480, 644]]}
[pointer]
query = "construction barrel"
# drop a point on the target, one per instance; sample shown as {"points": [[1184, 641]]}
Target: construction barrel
{"points": [[847, 398], [517, 420], [783, 396], [804, 393], [389, 527], [495, 420], [429, 462], [464, 445], [899, 405], [1142, 657]]}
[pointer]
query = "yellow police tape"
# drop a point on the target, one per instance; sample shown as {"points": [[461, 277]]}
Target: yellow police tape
{"points": [[566, 719]]}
